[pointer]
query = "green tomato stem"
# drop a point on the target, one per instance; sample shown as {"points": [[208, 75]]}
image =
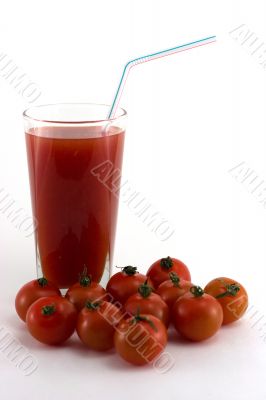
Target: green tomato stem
{"points": [[230, 290], [42, 281], [145, 289], [197, 291], [48, 310]]}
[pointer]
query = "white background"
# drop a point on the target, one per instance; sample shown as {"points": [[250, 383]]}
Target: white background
{"points": [[192, 117]]}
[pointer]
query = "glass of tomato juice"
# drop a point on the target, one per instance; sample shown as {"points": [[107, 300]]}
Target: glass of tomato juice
{"points": [[74, 159]]}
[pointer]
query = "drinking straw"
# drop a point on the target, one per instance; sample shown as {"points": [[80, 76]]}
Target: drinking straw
{"points": [[150, 57]]}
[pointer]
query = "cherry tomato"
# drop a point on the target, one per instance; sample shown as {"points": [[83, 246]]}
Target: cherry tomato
{"points": [[125, 283], [147, 302], [196, 315], [159, 271], [96, 325], [140, 339], [83, 291], [172, 289], [231, 295], [33, 291], [51, 320]]}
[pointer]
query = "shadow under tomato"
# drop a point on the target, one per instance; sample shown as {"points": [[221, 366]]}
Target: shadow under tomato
{"points": [[117, 363], [77, 347], [233, 325], [175, 338]]}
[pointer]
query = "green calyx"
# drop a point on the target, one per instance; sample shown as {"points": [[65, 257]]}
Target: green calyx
{"points": [[197, 291], [175, 279], [145, 289], [166, 263], [48, 310], [85, 279], [139, 318], [42, 281], [129, 270], [93, 305], [230, 290]]}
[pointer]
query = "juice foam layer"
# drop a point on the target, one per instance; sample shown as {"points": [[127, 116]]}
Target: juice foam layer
{"points": [[74, 132]]}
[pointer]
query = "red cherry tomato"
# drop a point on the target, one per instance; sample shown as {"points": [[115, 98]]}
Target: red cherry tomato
{"points": [[196, 315], [231, 295], [146, 302], [140, 339], [33, 291], [51, 320], [83, 291], [96, 325], [172, 289], [159, 271], [125, 283]]}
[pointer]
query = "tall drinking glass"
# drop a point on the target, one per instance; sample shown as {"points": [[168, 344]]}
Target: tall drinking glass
{"points": [[74, 160]]}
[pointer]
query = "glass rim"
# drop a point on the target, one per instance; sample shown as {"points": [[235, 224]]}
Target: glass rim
{"points": [[26, 114]]}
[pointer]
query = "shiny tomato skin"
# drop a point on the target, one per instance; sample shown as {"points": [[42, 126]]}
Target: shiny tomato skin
{"points": [[141, 342], [234, 306], [55, 328], [31, 292], [153, 305], [197, 318], [78, 294], [96, 327], [170, 293], [160, 269], [121, 285]]}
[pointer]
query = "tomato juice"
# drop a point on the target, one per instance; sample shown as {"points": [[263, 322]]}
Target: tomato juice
{"points": [[75, 212]]}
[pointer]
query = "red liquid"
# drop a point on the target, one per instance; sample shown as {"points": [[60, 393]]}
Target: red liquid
{"points": [[75, 212]]}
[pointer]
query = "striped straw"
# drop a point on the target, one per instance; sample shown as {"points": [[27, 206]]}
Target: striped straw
{"points": [[150, 57]]}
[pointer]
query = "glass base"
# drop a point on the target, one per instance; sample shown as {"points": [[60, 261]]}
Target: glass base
{"points": [[105, 277]]}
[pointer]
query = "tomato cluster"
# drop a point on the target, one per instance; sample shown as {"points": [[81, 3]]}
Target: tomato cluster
{"points": [[134, 311]]}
